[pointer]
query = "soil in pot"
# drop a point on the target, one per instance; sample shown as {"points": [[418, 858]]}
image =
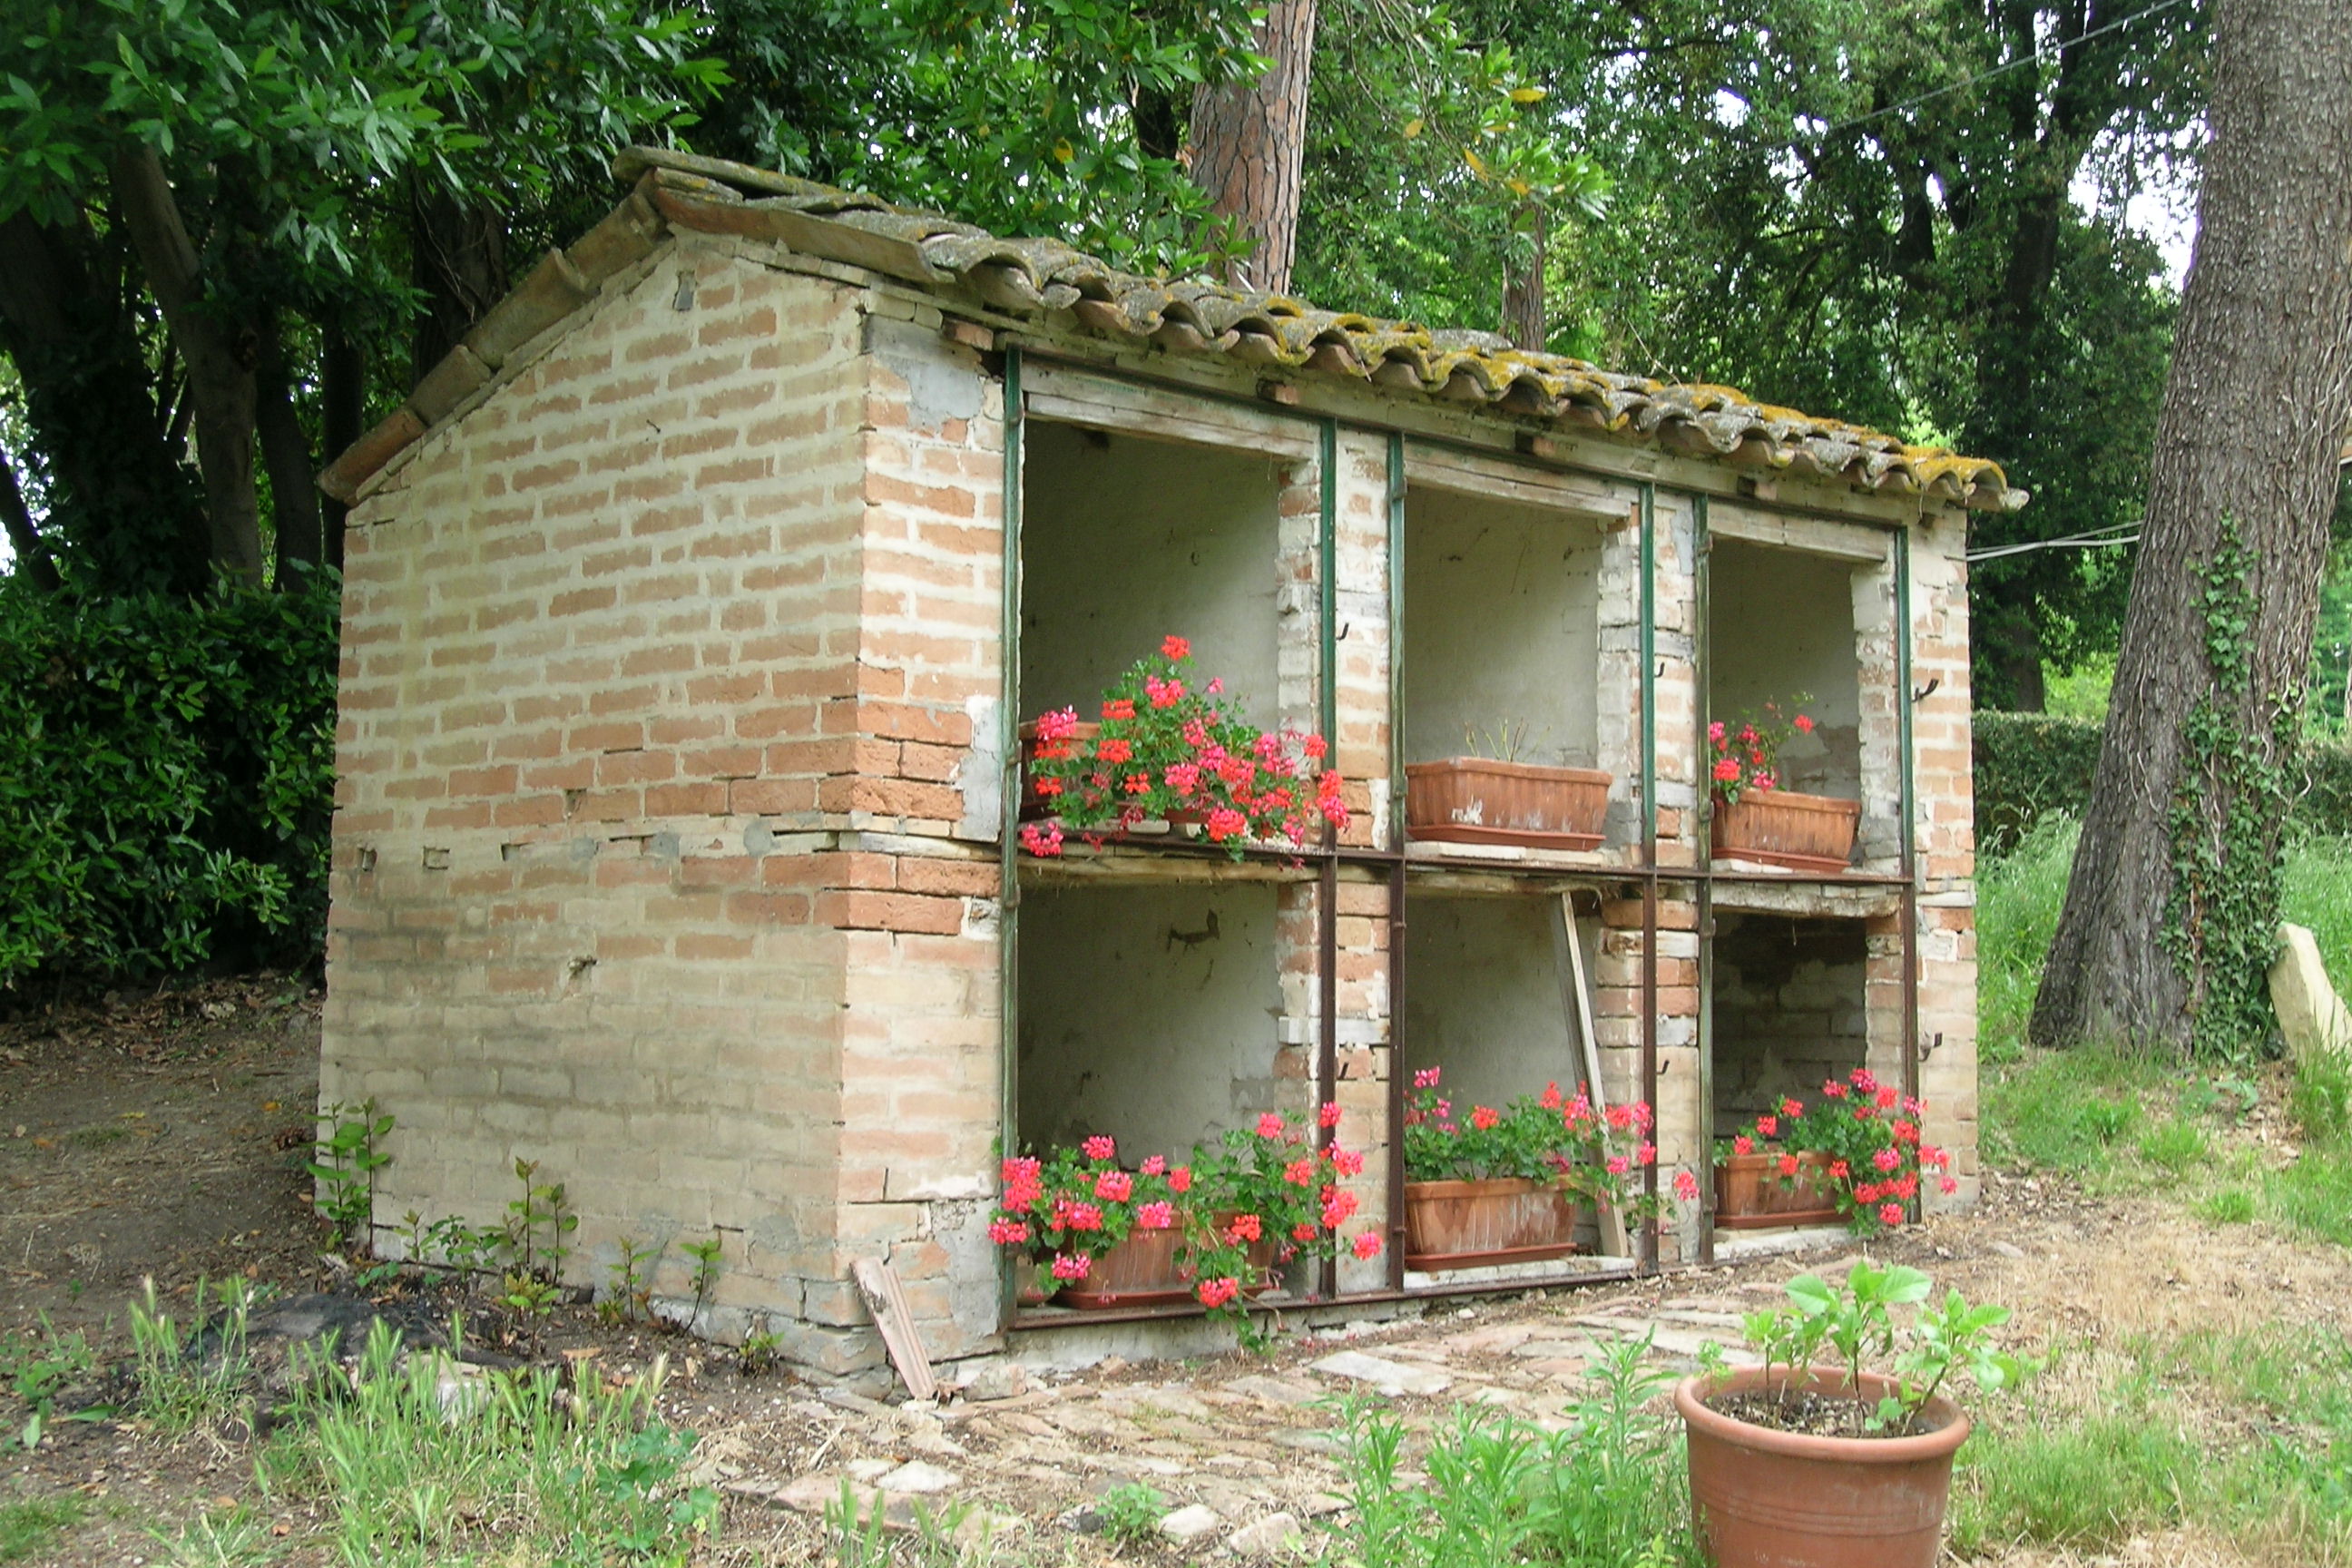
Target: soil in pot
{"points": [[1763, 1497]]}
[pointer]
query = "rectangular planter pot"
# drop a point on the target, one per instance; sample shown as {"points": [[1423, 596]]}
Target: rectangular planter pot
{"points": [[1474, 800], [1143, 1271], [1779, 828], [1751, 1194], [1474, 1225]]}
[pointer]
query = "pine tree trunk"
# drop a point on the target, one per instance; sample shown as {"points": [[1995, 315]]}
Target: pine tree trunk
{"points": [[116, 489], [343, 398], [286, 455], [1523, 287], [1249, 141], [2170, 914]]}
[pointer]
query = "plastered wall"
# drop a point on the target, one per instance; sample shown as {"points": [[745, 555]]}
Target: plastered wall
{"points": [[1784, 625], [1502, 624], [1125, 541], [1149, 1012], [1485, 999]]}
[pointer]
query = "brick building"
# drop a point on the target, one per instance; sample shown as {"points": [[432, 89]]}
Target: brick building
{"points": [[689, 609]]}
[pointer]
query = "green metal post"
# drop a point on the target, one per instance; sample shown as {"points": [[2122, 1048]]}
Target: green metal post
{"points": [[1008, 731], [1702, 679], [1397, 872]]}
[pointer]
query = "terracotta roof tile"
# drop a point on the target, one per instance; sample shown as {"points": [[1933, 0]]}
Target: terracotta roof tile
{"points": [[1046, 277]]}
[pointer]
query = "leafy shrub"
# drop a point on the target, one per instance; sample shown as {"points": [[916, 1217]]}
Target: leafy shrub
{"points": [[167, 774], [2029, 766]]}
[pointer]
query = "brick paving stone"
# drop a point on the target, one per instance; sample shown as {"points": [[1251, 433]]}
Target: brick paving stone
{"points": [[1276, 1534]]}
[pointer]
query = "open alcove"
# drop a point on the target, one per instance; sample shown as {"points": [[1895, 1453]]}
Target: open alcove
{"points": [[1125, 541], [1790, 1009], [1783, 632], [1150, 1012]]}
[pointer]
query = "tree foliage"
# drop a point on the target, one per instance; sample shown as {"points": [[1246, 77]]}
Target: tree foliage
{"points": [[1851, 207]]}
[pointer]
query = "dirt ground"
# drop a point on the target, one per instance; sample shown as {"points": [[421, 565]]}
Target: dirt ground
{"points": [[160, 1135]]}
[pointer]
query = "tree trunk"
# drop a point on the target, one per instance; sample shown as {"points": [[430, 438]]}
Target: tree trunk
{"points": [[33, 563], [1523, 288], [2170, 914], [115, 488], [457, 262], [1249, 141], [342, 394], [286, 453], [220, 375]]}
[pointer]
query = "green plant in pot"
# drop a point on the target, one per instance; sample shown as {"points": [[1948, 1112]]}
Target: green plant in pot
{"points": [[1814, 1460]]}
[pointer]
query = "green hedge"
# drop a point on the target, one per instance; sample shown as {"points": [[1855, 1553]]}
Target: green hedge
{"points": [[2029, 765], [166, 778]]}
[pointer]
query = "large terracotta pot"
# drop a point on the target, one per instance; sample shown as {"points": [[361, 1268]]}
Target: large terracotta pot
{"points": [[1500, 1219], [1751, 1194], [1764, 1498], [1779, 828], [1476, 800]]}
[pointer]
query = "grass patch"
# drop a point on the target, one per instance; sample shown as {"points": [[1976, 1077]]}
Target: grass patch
{"points": [[33, 1526], [2018, 896], [2174, 1144], [2314, 1195], [2231, 1205], [2316, 890], [2085, 1482], [2076, 1111], [195, 1376], [2139, 1449], [2320, 1099], [420, 1463]]}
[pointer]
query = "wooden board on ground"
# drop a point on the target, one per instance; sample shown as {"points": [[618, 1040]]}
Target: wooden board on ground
{"points": [[878, 1283]]}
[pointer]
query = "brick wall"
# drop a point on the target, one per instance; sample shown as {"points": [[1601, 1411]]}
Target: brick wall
{"points": [[592, 630]]}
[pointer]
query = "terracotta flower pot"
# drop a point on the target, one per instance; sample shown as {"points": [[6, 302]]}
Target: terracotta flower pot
{"points": [[1751, 1193], [1499, 1219], [1141, 1271], [1476, 800], [1033, 805], [1145, 1270], [1779, 828], [1767, 1498]]}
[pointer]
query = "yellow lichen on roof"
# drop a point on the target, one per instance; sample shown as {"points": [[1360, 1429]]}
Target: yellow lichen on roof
{"points": [[1067, 288]]}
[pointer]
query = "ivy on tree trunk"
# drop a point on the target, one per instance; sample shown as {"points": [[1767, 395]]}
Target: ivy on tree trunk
{"points": [[2170, 915]]}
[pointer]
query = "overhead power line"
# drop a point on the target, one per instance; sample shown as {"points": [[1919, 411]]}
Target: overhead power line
{"points": [[2098, 539], [2035, 57]]}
